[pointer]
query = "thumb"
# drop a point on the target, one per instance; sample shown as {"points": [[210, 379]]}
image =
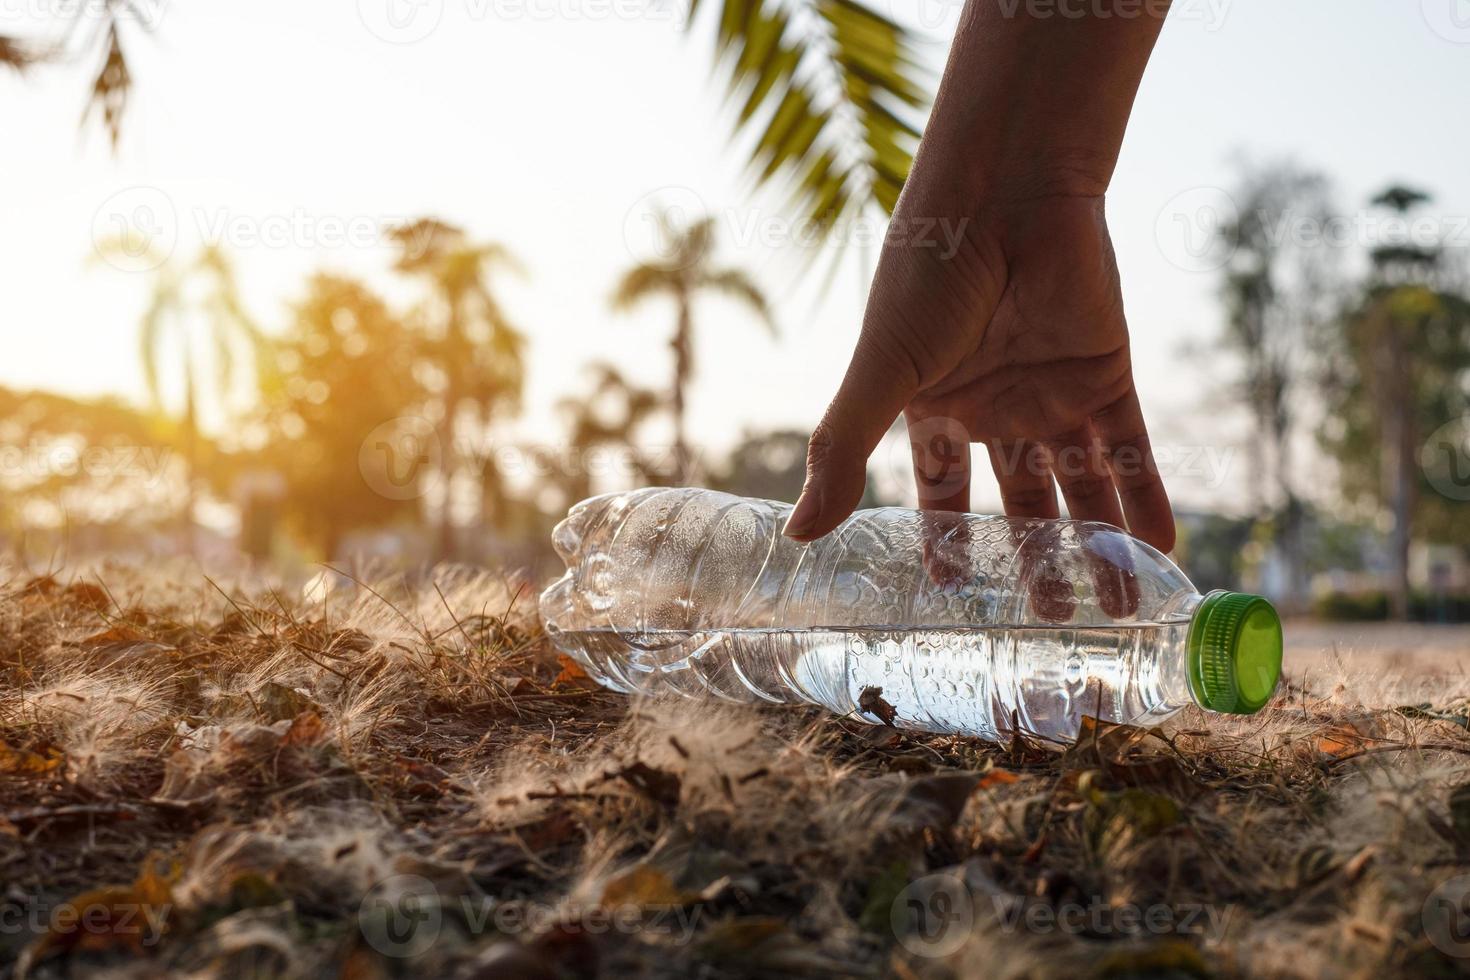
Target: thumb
{"points": [[873, 392]]}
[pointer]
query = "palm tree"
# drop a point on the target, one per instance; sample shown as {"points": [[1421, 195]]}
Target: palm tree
{"points": [[611, 414], [195, 323], [478, 355], [686, 273]]}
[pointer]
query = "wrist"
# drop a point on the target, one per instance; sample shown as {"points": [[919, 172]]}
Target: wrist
{"points": [[1036, 106]]}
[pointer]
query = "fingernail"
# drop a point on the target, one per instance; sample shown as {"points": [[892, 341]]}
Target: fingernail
{"points": [[803, 516]]}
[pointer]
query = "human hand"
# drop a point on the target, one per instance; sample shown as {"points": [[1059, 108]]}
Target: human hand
{"points": [[1018, 340]]}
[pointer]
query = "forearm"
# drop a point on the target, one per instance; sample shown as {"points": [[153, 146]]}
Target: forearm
{"points": [[1037, 93]]}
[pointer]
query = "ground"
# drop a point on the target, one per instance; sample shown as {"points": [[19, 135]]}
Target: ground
{"points": [[204, 779]]}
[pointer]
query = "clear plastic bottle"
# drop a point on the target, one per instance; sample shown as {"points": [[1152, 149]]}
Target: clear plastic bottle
{"points": [[940, 622]]}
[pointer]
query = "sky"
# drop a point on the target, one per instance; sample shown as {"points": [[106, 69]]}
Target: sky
{"points": [[296, 134]]}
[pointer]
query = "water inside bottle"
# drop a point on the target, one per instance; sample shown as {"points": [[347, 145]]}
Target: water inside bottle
{"points": [[983, 681]]}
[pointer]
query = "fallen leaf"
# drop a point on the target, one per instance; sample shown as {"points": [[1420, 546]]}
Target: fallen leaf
{"points": [[115, 635], [1170, 957], [871, 702], [123, 918], [1339, 741], [572, 675], [89, 596], [306, 728], [643, 886], [997, 777], [1128, 754], [24, 762]]}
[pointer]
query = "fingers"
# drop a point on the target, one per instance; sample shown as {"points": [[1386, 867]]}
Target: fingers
{"points": [[1125, 447], [941, 453], [1024, 474], [1082, 473], [940, 447], [872, 394], [1027, 491]]}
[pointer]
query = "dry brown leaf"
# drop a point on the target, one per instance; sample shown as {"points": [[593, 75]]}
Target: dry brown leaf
{"points": [[89, 596], [306, 728], [24, 762], [572, 675], [997, 777], [117, 634], [644, 886], [870, 701], [1339, 741], [120, 918]]}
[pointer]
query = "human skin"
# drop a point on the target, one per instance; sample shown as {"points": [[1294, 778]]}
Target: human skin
{"points": [[1017, 338]]}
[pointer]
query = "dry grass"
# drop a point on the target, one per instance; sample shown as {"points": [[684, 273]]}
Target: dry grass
{"points": [[225, 781]]}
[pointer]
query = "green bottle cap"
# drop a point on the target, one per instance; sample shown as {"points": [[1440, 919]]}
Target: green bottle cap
{"points": [[1234, 652]]}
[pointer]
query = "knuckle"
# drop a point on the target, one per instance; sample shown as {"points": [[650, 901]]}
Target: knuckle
{"points": [[1026, 498], [1086, 487]]}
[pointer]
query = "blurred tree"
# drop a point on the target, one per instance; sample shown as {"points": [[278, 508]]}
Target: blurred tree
{"points": [[346, 363], [1278, 288], [475, 355], [1398, 371], [82, 463], [687, 272], [766, 465], [772, 466], [195, 325], [610, 416]]}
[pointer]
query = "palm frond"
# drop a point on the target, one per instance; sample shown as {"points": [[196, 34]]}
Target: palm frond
{"points": [[835, 95], [738, 285], [111, 88], [642, 281], [17, 54]]}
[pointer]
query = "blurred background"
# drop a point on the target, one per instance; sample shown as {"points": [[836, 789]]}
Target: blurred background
{"points": [[400, 280]]}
